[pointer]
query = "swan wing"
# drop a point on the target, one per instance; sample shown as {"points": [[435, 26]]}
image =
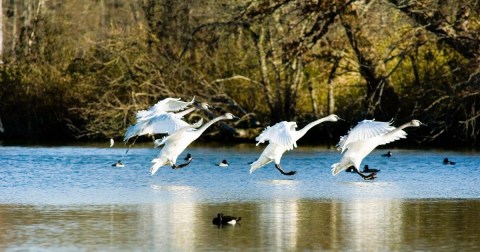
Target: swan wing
{"points": [[280, 133], [133, 130], [165, 123], [179, 134], [159, 124], [392, 136], [366, 129], [163, 106]]}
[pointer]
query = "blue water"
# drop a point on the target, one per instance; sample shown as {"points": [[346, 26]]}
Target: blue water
{"points": [[73, 199], [84, 175]]}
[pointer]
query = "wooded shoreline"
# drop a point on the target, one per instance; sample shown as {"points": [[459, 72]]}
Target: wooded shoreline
{"points": [[74, 71]]}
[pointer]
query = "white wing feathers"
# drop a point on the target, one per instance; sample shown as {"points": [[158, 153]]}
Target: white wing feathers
{"points": [[133, 130], [280, 133], [164, 106], [159, 119], [166, 123], [392, 136], [178, 134], [367, 129], [161, 124]]}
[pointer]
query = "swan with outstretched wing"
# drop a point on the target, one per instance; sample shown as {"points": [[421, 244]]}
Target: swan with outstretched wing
{"points": [[282, 137], [363, 139]]}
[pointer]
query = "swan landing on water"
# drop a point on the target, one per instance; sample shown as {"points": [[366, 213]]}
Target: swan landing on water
{"points": [[178, 141], [282, 137], [363, 139]]}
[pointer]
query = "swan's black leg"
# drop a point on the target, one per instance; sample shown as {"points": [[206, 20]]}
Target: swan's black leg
{"points": [[188, 158], [370, 176], [130, 146], [283, 172]]}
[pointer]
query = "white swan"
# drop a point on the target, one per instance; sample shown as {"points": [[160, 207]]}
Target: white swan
{"points": [[364, 138], [177, 142], [160, 119], [165, 105], [282, 137]]}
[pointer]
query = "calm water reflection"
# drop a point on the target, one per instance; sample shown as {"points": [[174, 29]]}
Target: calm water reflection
{"points": [[372, 225], [71, 198]]}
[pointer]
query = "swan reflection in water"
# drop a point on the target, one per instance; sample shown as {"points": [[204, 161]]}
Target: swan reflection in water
{"points": [[369, 221], [282, 230], [171, 223]]}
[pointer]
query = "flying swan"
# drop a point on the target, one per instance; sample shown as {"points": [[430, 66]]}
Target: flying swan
{"points": [[161, 119], [365, 137], [177, 142], [282, 137]]}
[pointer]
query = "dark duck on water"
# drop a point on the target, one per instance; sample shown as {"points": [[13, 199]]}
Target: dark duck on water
{"points": [[224, 163], [448, 162], [388, 154], [368, 169], [225, 220]]}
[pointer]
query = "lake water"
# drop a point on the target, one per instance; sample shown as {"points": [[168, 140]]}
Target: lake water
{"points": [[71, 198]]}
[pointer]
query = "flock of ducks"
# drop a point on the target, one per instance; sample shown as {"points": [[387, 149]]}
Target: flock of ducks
{"points": [[166, 117]]}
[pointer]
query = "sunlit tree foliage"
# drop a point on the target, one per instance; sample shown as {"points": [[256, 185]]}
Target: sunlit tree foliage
{"points": [[82, 68]]}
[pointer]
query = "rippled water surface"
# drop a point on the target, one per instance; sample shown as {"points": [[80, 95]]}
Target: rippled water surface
{"points": [[71, 198]]}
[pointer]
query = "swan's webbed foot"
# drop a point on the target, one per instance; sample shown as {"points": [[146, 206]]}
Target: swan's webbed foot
{"points": [[370, 176], [290, 173], [181, 165]]}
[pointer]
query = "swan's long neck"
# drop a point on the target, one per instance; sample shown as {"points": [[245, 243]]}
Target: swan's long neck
{"points": [[185, 112], [208, 124], [398, 129], [304, 130]]}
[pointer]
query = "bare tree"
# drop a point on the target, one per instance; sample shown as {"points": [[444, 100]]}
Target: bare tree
{"points": [[1, 32], [454, 24]]}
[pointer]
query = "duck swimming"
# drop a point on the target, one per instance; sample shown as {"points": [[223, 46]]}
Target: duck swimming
{"points": [[225, 220], [118, 164], [188, 157], [367, 169], [224, 163], [388, 154], [448, 162]]}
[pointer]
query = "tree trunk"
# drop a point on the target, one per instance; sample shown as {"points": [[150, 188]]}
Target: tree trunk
{"points": [[149, 10], [377, 85], [312, 96], [262, 55], [14, 37], [330, 87], [1, 33]]}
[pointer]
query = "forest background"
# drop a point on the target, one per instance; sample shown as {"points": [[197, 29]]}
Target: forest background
{"points": [[79, 70]]}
